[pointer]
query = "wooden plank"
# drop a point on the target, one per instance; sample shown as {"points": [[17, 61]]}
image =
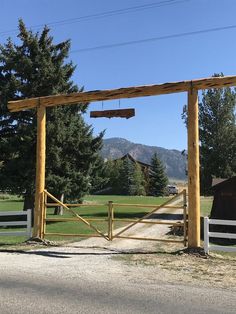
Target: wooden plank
{"points": [[116, 113], [76, 205], [185, 216], [74, 219], [126, 92], [160, 222], [74, 235], [193, 171], [110, 218], [148, 239]]}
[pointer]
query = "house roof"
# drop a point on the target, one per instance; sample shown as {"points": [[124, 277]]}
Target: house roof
{"points": [[216, 181], [134, 160], [219, 182]]}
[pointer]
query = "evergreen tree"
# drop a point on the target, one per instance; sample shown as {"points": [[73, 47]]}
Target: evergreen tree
{"points": [[217, 132], [158, 178], [137, 186], [126, 176], [99, 177], [37, 67], [217, 135], [113, 171]]}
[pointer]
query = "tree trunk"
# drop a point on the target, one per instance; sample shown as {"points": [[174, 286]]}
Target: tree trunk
{"points": [[59, 210], [29, 204]]}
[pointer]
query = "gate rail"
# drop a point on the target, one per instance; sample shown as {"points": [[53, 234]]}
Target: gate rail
{"points": [[77, 218], [110, 219]]}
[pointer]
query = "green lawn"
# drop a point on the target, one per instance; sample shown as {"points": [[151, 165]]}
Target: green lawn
{"points": [[101, 212], [14, 203], [206, 204]]}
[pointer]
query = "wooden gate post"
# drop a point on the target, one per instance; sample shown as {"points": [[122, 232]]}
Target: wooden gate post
{"points": [[40, 171], [193, 171], [110, 220]]}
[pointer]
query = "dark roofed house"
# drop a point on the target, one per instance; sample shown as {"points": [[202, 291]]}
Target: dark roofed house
{"points": [[146, 168], [224, 203], [143, 165]]}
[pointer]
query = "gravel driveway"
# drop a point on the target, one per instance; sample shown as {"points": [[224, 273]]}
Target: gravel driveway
{"points": [[124, 276]]}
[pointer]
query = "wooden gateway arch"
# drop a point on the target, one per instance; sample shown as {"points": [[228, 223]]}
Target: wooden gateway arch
{"points": [[191, 87]]}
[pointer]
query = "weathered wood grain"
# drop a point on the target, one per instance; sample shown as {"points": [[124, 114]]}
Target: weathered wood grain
{"points": [[126, 92], [117, 113]]}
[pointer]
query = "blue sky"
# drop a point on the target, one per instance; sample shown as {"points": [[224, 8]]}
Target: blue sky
{"points": [[158, 119]]}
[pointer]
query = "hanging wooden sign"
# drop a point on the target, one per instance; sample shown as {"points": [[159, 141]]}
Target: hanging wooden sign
{"points": [[115, 113]]}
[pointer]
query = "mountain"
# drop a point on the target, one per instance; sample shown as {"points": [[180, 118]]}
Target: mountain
{"points": [[172, 159]]}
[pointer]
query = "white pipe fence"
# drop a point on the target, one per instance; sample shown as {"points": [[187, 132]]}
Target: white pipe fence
{"points": [[27, 223], [224, 235]]}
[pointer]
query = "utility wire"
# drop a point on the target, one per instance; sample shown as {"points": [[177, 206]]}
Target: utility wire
{"points": [[134, 42], [103, 14]]}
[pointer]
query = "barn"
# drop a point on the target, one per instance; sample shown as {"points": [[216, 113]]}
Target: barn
{"points": [[224, 203]]}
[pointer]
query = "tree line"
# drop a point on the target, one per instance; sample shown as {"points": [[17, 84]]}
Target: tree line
{"points": [[127, 177]]}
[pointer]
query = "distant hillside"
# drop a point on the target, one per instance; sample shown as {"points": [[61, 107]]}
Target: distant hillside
{"points": [[173, 160]]}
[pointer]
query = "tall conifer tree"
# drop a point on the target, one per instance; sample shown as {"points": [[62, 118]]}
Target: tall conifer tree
{"points": [[158, 178], [137, 186], [37, 67], [217, 132]]}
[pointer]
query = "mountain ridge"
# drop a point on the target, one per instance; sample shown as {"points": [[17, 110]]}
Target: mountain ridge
{"points": [[173, 160]]}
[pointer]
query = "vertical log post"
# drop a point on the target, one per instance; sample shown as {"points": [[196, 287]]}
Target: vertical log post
{"points": [[44, 216], [40, 171], [193, 171], [185, 216], [110, 220]]}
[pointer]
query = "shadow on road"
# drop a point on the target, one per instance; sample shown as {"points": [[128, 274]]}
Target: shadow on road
{"points": [[63, 255]]}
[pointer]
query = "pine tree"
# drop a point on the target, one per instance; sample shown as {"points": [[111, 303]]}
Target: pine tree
{"points": [[158, 178], [137, 186], [217, 133], [37, 67], [126, 176], [99, 178], [113, 173]]}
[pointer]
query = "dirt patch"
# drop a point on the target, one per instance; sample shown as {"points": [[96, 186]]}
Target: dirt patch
{"points": [[175, 266]]}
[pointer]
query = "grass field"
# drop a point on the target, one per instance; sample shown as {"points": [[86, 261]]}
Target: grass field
{"points": [[206, 204], [14, 203]]}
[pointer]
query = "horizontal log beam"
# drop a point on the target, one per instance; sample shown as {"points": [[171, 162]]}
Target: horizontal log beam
{"points": [[116, 113], [127, 92]]}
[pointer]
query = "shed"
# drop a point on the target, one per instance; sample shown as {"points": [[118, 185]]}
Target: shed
{"points": [[224, 203]]}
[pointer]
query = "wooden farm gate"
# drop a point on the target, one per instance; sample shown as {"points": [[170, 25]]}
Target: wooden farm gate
{"points": [[110, 220], [191, 87]]}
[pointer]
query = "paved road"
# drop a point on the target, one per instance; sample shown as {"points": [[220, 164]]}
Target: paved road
{"points": [[90, 280], [40, 295]]}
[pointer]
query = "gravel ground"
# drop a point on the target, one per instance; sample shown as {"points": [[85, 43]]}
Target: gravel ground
{"points": [[122, 276]]}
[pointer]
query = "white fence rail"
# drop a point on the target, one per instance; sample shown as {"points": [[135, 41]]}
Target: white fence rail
{"points": [[208, 234], [27, 223]]}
